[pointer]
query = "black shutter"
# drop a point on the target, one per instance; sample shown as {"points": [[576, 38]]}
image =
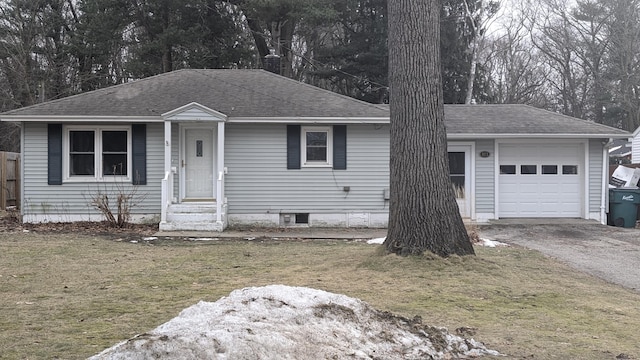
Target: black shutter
{"points": [[139, 156], [340, 147], [293, 146], [54, 159]]}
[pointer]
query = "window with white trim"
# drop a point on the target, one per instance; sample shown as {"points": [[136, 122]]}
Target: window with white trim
{"points": [[317, 146], [96, 153]]}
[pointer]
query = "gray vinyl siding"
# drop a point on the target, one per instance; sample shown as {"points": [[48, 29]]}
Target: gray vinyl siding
{"points": [[595, 174], [258, 180], [485, 177], [75, 198]]}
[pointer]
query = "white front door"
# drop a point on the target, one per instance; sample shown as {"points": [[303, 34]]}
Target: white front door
{"points": [[198, 164], [461, 176]]}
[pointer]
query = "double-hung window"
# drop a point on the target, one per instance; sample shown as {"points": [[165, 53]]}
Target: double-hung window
{"points": [[317, 146], [100, 153]]}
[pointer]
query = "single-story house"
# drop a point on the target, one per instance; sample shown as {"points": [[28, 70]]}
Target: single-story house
{"points": [[203, 149]]}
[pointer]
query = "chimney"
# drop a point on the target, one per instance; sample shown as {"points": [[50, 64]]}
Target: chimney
{"points": [[272, 62]]}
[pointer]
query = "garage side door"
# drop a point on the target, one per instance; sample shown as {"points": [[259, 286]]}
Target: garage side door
{"points": [[541, 180]]}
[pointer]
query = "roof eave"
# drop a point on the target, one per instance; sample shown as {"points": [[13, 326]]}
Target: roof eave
{"points": [[535, 136], [309, 120], [78, 118]]}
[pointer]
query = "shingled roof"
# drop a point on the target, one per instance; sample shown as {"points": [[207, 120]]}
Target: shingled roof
{"points": [[507, 120], [235, 93], [258, 94]]}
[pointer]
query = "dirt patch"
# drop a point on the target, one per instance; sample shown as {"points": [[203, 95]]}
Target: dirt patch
{"points": [[569, 233], [10, 223]]}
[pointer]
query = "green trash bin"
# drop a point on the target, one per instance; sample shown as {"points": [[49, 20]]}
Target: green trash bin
{"points": [[623, 206]]}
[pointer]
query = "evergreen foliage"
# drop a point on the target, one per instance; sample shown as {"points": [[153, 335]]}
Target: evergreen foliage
{"points": [[576, 57]]}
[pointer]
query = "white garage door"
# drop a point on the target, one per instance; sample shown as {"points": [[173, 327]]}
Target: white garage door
{"points": [[541, 180]]}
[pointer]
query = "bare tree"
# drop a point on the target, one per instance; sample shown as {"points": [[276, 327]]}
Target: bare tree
{"points": [[515, 70], [423, 211], [624, 61], [589, 19], [555, 38], [9, 137], [478, 17]]}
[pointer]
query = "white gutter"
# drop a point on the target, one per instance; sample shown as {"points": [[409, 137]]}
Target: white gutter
{"points": [[303, 120], [83, 118], [309, 120], [457, 136]]}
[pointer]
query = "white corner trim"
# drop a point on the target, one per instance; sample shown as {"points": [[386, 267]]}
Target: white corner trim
{"points": [[496, 180]]}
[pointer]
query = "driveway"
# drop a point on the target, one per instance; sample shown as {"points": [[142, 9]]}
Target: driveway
{"points": [[607, 252]]}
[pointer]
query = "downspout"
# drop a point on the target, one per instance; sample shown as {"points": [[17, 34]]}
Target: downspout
{"points": [[604, 198], [221, 201], [21, 161]]}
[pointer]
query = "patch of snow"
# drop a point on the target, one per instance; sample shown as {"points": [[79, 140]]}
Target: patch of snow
{"points": [[284, 322], [376, 241], [150, 238], [491, 243], [203, 239]]}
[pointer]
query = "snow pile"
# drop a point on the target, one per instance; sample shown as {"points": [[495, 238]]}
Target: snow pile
{"points": [[481, 242], [285, 322], [376, 241], [490, 243]]}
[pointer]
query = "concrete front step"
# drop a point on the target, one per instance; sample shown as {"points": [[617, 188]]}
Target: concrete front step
{"points": [[191, 217], [191, 226], [191, 208], [196, 216]]}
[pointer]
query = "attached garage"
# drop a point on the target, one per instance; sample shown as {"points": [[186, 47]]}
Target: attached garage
{"points": [[531, 163], [543, 179]]}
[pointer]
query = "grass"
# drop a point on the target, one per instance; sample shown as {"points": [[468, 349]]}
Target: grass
{"points": [[71, 296]]}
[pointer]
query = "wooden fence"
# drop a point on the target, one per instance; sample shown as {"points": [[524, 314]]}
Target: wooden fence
{"points": [[9, 180]]}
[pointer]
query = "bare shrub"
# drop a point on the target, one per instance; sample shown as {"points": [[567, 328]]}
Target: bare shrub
{"points": [[116, 204]]}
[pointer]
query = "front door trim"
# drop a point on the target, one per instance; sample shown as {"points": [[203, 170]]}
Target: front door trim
{"points": [[468, 147], [182, 159]]}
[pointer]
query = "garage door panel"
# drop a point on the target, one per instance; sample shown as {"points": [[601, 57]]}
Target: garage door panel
{"points": [[546, 188], [568, 188], [540, 193], [510, 189]]}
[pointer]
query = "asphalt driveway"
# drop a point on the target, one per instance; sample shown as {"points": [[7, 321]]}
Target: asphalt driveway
{"points": [[610, 253]]}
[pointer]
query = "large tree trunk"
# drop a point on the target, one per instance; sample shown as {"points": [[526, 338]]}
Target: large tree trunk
{"points": [[423, 211]]}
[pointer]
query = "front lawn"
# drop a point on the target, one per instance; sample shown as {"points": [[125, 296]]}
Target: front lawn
{"points": [[72, 295]]}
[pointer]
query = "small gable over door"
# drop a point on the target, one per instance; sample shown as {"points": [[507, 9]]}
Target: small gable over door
{"points": [[194, 112]]}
